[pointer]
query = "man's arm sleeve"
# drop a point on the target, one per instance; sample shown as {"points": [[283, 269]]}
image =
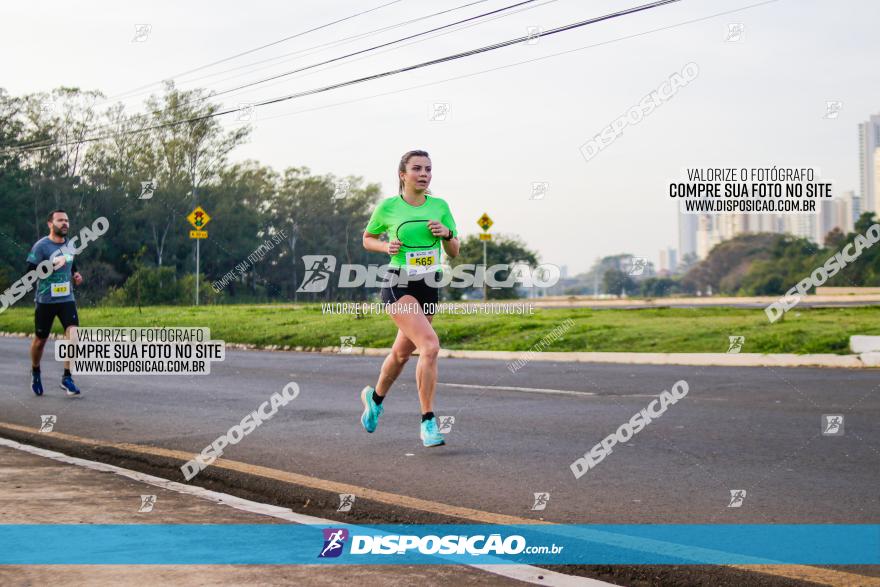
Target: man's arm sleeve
{"points": [[33, 258]]}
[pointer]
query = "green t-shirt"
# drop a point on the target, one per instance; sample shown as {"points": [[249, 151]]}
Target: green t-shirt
{"points": [[419, 250]]}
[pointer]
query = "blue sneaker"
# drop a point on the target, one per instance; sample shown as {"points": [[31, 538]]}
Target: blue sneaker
{"points": [[372, 410], [431, 434], [69, 386], [36, 383]]}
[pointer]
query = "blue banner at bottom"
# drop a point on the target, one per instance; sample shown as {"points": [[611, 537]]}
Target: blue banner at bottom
{"points": [[282, 544]]}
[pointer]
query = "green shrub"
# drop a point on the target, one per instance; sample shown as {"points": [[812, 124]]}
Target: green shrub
{"points": [[160, 286]]}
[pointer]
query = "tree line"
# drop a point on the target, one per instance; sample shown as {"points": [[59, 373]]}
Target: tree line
{"points": [[752, 264], [71, 149]]}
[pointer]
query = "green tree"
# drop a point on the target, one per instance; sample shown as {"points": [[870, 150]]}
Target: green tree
{"points": [[187, 150], [618, 282], [658, 287], [502, 249], [322, 215], [726, 267]]}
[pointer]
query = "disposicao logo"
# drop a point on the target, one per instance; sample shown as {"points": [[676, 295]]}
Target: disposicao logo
{"points": [[394, 544], [334, 541]]}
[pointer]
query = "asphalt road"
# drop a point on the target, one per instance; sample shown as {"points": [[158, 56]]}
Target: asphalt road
{"points": [[757, 429]]}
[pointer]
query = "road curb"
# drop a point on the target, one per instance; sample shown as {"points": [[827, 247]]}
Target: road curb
{"points": [[696, 359], [855, 361]]}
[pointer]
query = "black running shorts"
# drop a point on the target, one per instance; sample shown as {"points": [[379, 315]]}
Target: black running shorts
{"points": [[44, 316], [426, 295]]}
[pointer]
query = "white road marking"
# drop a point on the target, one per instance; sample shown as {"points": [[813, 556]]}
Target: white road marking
{"points": [[527, 389], [567, 391]]}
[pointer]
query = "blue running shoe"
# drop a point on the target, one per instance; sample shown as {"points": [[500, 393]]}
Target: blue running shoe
{"points": [[372, 410], [69, 386], [36, 383], [431, 434]]}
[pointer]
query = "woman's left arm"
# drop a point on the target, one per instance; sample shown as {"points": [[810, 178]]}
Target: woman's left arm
{"points": [[442, 231], [452, 246]]}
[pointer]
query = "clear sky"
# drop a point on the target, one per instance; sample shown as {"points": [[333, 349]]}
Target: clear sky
{"points": [[758, 101]]}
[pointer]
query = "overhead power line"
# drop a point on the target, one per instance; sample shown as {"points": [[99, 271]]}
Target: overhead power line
{"points": [[313, 48], [384, 74], [374, 47], [494, 13], [397, 91], [360, 52], [261, 47]]}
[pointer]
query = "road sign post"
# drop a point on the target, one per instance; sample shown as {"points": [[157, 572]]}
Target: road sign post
{"points": [[485, 223], [199, 219], [485, 287]]}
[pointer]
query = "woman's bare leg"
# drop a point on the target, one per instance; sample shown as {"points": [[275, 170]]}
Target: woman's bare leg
{"points": [[394, 363], [416, 329]]}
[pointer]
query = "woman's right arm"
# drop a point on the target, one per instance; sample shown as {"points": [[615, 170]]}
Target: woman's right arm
{"points": [[372, 243]]}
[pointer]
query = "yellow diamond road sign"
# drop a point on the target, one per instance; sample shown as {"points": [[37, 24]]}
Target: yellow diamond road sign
{"points": [[198, 218], [485, 222]]}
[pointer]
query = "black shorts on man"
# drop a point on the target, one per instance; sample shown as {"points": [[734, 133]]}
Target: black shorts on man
{"points": [[44, 316]]}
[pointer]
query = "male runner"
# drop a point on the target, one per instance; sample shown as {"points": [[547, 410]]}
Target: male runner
{"points": [[54, 297]]}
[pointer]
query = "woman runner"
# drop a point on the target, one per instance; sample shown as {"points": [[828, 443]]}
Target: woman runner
{"points": [[417, 224]]}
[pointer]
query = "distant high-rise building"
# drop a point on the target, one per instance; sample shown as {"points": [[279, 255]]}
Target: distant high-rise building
{"points": [[769, 223], [687, 234], [869, 142], [708, 233], [836, 213], [847, 207], [715, 228], [843, 211], [826, 218], [875, 207], [668, 261], [803, 225], [730, 225]]}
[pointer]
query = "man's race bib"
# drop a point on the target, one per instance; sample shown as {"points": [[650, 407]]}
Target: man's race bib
{"points": [[61, 289], [418, 262]]}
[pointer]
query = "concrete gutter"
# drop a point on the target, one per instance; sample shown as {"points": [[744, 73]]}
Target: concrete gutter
{"points": [[854, 361]]}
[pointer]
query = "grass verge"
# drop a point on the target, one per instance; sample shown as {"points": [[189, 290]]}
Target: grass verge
{"points": [[666, 330]]}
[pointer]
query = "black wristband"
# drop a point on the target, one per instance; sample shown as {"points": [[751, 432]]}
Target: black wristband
{"points": [[449, 238]]}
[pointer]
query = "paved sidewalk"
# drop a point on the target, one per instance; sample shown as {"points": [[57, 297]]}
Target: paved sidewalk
{"points": [[39, 490]]}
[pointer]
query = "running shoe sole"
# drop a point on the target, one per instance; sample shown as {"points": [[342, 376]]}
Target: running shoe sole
{"points": [[366, 407], [70, 393], [441, 443]]}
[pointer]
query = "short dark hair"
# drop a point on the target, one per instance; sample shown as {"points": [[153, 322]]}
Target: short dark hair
{"points": [[53, 212]]}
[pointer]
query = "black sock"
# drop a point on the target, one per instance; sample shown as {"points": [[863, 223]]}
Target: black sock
{"points": [[377, 398], [428, 416], [67, 373], [35, 370]]}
